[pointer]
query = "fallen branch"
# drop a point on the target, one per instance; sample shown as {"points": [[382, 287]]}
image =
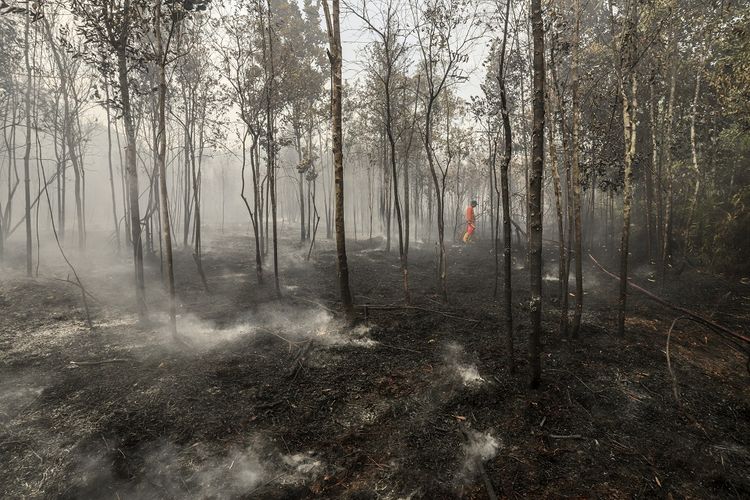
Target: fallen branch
{"points": [[74, 364], [77, 282], [693, 315], [32, 205], [674, 378]]}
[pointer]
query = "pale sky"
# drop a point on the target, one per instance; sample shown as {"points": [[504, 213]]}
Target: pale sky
{"points": [[355, 37]]}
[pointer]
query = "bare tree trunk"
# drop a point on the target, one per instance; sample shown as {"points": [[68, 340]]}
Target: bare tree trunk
{"points": [[271, 153], [254, 212], [187, 206], [403, 257], [77, 186], [505, 192], [132, 175], [628, 90], [369, 198], [651, 226], [407, 188], [576, 173], [69, 133], [123, 175], [535, 195], [694, 157], [266, 211], [161, 162], [334, 54], [442, 267], [563, 264], [303, 234], [27, 153], [196, 189], [666, 250], [109, 162], [259, 195]]}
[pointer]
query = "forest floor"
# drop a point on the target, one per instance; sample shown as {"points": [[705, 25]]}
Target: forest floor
{"points": [[277, 398]]}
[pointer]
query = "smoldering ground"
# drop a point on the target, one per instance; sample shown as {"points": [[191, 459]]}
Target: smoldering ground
{"points": [[131, 459], [168, 470], [268, 383]]}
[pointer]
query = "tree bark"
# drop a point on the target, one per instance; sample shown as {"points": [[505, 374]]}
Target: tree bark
{"points": [[535, 194], [505, 194], [666, 250], [109, 163], [334, 54], [628, 90], [27, 152], [563, 269], [651, 225], [576, 173], [131, 165], [694, 158], [161, 162]]}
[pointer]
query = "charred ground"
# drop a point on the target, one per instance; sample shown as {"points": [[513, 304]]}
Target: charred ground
{"points": [[277, 399]]}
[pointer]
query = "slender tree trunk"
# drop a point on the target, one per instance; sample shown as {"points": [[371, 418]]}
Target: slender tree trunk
{"points": [[394, 173], [494, 205], [254, 213], [132, 177], [535, 195], [162, 173], [69, 133], [694, 158], [505, 196], [650, 222], [271, 156], [27, 153], [407, 184], [563, 269], [266, 212], [123, 175], [301, 189], [187, 207], [109, 163], [628, 90], [666, 250], [335, 56], [576, 174], [442, 267]]}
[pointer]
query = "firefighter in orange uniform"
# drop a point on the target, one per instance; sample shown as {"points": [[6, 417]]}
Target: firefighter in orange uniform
{"points": [[471, 222]]}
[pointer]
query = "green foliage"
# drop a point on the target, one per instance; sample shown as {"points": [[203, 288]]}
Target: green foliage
{"points": [[730, 74]]}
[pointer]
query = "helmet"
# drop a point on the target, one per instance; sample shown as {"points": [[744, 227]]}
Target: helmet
{"points": [[473, 203]]}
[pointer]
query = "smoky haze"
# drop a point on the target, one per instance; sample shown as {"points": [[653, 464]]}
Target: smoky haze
{"points": [[374, 249]]}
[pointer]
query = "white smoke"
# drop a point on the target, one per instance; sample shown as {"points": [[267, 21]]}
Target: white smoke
{"points": [[200, 472], [480, 447], [458, 369]]}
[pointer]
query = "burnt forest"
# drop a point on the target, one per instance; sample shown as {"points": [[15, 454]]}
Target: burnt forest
{"points": [[374, 249]]}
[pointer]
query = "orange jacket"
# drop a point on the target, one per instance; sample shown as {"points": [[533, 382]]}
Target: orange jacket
{"points": [[470, 219]]}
